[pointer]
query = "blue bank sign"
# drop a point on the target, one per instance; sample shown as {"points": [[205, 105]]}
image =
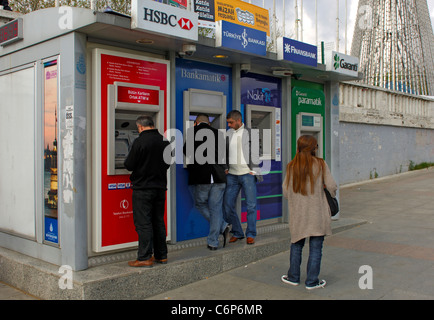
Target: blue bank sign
{"points": [[240, 38], [296, 51]]}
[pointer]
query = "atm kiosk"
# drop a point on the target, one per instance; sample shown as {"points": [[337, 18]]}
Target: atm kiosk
{"points": [[126, 102], [311, 124], [263, 118], [118, 104]]}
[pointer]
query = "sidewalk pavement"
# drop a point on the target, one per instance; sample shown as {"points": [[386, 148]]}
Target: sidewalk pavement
{"points": [[396, 244]]}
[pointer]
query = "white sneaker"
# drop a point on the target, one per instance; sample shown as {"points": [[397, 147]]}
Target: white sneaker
{"points": [[285, 279], [321, 284]]}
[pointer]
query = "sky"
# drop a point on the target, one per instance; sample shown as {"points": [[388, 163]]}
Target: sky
{"points": [[327, 12]]}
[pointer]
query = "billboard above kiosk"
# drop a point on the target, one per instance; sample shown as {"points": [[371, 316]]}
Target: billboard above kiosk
{"points": [[296, 51], [244, 39], [147, 15], [342, 63]]}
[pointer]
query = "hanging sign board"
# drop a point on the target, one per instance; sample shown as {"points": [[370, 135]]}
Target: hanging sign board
{"points": [[234, 36], [296, 51], [242, 13], [342, 63], [163, 19]]}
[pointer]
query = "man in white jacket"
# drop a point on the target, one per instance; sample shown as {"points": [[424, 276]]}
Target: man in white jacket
{"points": [[243, 172]]}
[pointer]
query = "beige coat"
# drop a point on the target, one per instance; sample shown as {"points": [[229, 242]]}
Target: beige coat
{"points": [[310, 215]]}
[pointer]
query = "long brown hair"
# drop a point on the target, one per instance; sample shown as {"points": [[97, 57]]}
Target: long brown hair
{"points": [[301, 167]]}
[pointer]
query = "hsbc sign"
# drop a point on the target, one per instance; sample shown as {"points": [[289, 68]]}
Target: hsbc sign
{"points": [[160, 18]]}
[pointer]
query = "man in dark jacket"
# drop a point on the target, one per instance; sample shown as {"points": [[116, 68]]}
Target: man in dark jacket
{"points": [[149, 184], [207, 178]]}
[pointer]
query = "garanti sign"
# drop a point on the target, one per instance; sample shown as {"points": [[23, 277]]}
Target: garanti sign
{"points": [[163, 19], [342, 63]]}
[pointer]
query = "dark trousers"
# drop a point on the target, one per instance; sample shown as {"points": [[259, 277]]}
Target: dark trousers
{"points": [[148, 214]]}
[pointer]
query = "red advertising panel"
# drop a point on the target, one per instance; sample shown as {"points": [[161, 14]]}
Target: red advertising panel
{"points": [[116, 221]]}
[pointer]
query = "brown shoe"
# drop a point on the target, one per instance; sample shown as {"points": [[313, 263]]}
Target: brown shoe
{"points": [[250, 240], [141, 264], [234, 239], [162, 261]]}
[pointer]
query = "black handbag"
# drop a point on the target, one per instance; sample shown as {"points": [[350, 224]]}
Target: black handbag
{"points": [[333, 203]]}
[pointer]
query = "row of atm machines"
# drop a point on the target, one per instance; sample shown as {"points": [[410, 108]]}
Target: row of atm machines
{"points": [[123, 112], [126, 102]]}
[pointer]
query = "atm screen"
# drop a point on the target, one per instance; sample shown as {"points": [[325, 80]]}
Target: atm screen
{"points": [[307, 121], [123, 142], [194, 116]]}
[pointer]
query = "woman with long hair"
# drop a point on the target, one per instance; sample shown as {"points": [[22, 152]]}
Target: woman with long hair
{"points": [[310, 217]]}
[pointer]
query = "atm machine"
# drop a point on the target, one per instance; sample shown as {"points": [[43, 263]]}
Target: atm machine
{"points": [[311, 124], [126, 102], [212, 103], [113, 226], [263, 118]]}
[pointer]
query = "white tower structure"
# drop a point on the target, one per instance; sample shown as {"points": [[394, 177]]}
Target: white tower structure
{"points": [[395, 43]]}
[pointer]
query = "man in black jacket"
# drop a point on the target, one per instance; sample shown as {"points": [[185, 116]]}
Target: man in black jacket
{"points": [[207, 178], [149, 184]]}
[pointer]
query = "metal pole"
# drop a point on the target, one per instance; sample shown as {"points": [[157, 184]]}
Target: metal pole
{"points": [[337, 25], [346, 26], [284, 17], [296, 20], [316, 22], [301, 20]]}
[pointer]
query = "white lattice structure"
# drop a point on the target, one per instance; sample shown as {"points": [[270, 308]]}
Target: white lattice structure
{"points": [[395, 43]]}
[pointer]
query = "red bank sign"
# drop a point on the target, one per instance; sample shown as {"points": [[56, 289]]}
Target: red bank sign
{"points": [[138, 96], [164, 19]]}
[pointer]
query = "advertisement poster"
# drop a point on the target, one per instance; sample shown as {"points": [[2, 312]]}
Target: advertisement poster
{"points": [[50, 152], [117, 225], [242, 13]]}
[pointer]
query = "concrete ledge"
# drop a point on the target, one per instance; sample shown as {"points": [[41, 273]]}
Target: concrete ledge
{"points": [[118, 281]]}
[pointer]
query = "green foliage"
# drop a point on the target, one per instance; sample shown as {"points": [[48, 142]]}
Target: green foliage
{"points": [[420, 166], [26, 6]]}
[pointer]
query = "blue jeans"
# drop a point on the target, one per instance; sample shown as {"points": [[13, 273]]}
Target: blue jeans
{"points": [[233, 187], [208, 199], [313, 264]]}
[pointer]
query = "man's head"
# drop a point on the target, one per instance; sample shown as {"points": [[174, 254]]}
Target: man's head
{"points": [[144, 123], [201, 118], [234, 119]]}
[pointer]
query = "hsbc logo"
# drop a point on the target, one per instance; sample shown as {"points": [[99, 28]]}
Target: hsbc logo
{"points": [[185, 24], [164, 19]]}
